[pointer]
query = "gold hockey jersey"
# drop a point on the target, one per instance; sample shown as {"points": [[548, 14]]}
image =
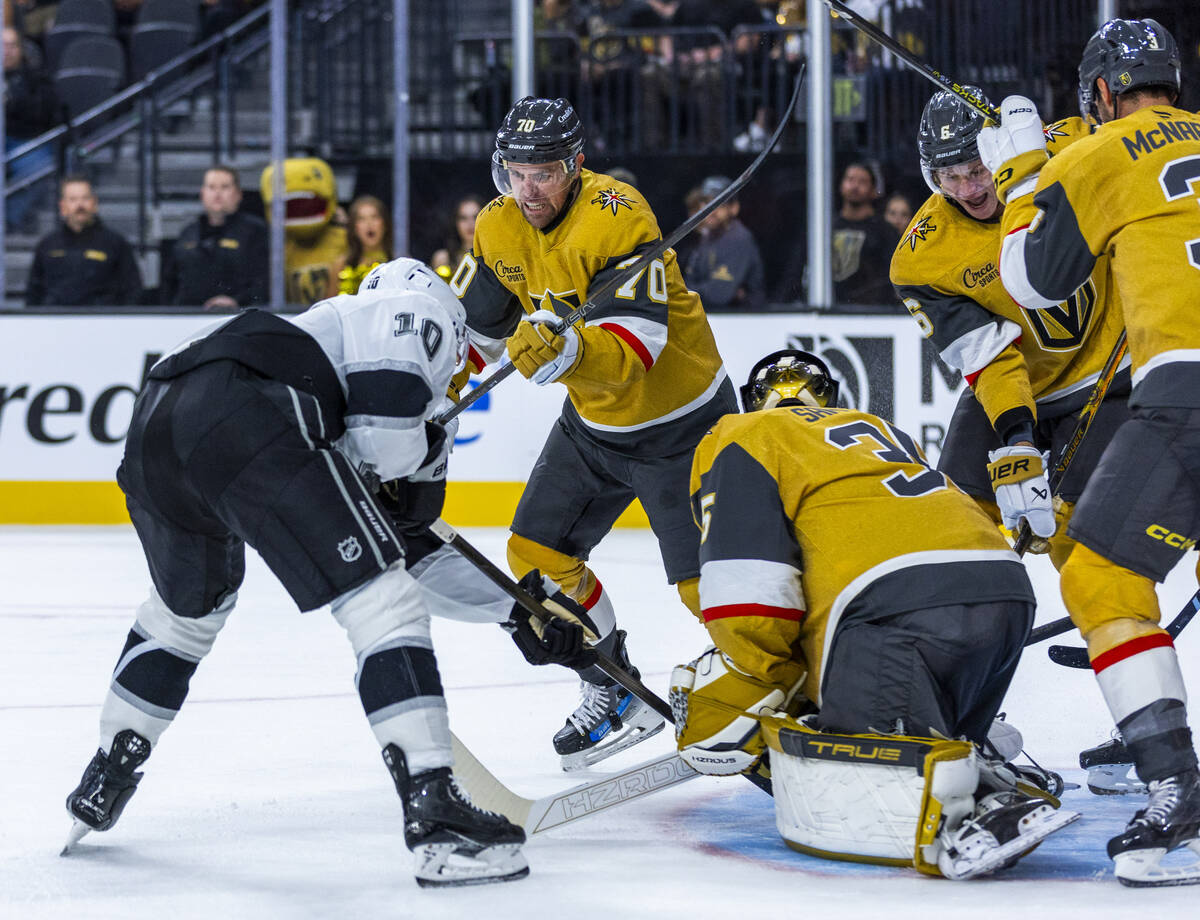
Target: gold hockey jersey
{"points": [[1129, 193], [648, 353], [946, 271], [812, 517]]}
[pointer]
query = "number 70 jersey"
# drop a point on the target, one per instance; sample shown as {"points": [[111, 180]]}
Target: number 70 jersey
{"points": [[810, 516]]}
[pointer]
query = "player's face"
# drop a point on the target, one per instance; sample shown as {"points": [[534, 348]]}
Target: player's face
{"points": [[970, 184], [541, 189]]}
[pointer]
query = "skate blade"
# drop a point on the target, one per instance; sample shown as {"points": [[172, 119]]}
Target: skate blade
{"points": [[1020, 846], [445, 865], [581, 760], [1114, 779], [1142, 868], [77, 832]]}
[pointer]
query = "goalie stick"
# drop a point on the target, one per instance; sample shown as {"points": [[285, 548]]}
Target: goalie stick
{"points": [[616, 282], [559, 808], [449, 536]]}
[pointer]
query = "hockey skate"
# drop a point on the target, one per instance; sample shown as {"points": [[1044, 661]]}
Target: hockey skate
{"points": [[454, 842], [608, 719], [1170, 821], [1005, 827], [107, 785], [1110, 769]]}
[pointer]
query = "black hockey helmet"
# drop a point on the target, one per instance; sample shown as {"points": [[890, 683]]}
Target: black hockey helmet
{"points": [[540, 131], [1129, 54], [789, 374], [949, 132]]}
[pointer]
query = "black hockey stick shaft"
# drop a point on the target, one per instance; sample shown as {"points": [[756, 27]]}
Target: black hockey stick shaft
{"points": [[1086, 415], [1070, 656], [489, 570], [492, 572], [617, 281], [881, 38]]}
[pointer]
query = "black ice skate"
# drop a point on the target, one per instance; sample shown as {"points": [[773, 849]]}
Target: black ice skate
{"points": [[608, 719], [1170, 820], [1005, 826], [107, 785], [454, 842], [1110, 769]]}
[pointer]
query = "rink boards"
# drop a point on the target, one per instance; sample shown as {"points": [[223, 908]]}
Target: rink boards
{"points": [[68, 382]]}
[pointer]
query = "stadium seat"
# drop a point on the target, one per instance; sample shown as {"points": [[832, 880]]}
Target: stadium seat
{"points": [[92, 69], [163, 31], [78, 19]]}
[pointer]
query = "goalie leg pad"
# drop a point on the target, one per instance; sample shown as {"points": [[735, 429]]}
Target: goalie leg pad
{"points": [[716, 709], [868, 798]]}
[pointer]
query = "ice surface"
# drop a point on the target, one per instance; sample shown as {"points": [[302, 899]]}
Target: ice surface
{"points": [[268, 798]]}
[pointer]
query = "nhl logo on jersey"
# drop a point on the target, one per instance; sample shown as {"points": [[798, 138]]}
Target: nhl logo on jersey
{"points": [[349, 549]]}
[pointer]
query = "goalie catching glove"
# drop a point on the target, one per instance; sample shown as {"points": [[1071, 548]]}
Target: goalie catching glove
{"points": [[1018, 477], [716, 709], [564, 637], [541, 351]]}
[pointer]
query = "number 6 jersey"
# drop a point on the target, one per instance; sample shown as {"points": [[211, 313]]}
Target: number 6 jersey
{"points": [[649, 356], [812, 517], [1132, 190]]}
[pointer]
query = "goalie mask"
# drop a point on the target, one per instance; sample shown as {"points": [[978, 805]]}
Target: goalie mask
{"points": [[536, 148], [948, 134], [792, 376], [412, 275], [1129, 54]]}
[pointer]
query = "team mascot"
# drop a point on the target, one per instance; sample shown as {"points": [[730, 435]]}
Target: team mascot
{"points": [[313, 246]]}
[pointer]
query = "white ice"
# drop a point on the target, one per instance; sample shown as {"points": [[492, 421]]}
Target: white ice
{"points": [[268, 798]]}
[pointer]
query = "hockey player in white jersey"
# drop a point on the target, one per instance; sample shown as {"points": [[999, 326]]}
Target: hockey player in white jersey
{"points": [[266, 431]]}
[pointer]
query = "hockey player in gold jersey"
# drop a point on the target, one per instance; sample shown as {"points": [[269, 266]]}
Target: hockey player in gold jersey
{"points": [[643, 378], [862, 582], [1028, 371], [1130, 190]]}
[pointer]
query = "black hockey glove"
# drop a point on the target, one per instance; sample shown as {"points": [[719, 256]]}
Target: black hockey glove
{"points": [[563, 637], [415, 502]]}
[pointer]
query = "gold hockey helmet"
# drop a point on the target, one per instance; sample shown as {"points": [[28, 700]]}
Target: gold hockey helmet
{"points": [[790, 375]]}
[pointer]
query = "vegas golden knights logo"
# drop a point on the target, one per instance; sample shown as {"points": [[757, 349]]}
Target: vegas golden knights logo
{"points": [[1063, 328]]}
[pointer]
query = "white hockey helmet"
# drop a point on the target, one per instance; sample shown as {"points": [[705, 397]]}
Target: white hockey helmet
{"points": [[406, 274]]}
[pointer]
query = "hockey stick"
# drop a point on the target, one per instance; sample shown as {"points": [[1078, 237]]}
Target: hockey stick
{"points": [[877, 35], [1082, 424], [488, 569], [559, 808], [507, 367], [1070, 656]]}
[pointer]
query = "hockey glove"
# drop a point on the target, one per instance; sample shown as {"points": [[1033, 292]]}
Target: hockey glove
{"points": [[1015, 151], [539, 352], [415, 502], [563, 637], [716, 709], [1018, 477]]}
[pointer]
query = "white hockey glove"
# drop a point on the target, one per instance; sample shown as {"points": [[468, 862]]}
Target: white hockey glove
{"points": [[541, 354], [716, 709], [1018, 477], [1020, 132]]}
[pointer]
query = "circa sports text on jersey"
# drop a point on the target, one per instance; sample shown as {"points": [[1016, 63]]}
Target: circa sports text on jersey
{"points": [[652, 335], [813, 553]]}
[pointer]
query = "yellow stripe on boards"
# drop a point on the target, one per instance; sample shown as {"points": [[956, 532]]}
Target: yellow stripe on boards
{"points": [[468, 504]]}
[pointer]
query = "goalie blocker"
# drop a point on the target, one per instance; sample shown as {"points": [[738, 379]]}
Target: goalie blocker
{"points": [[897, 800]]}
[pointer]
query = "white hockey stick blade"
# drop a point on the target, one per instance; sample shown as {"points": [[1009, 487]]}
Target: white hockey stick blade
{"points": [[74, 835], [582, 801]]}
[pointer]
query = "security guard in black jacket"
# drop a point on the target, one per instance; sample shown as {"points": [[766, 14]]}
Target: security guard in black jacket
{"points": [[82, 262], [220, 259]]}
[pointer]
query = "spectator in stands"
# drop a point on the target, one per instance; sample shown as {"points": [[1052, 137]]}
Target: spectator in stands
{"points": [[863, 243], [458, 243], [82, 263], [898, 211], [617, 71], [32, 17], [30, 108], [368, 242], [220, 260], [725, 268]]}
